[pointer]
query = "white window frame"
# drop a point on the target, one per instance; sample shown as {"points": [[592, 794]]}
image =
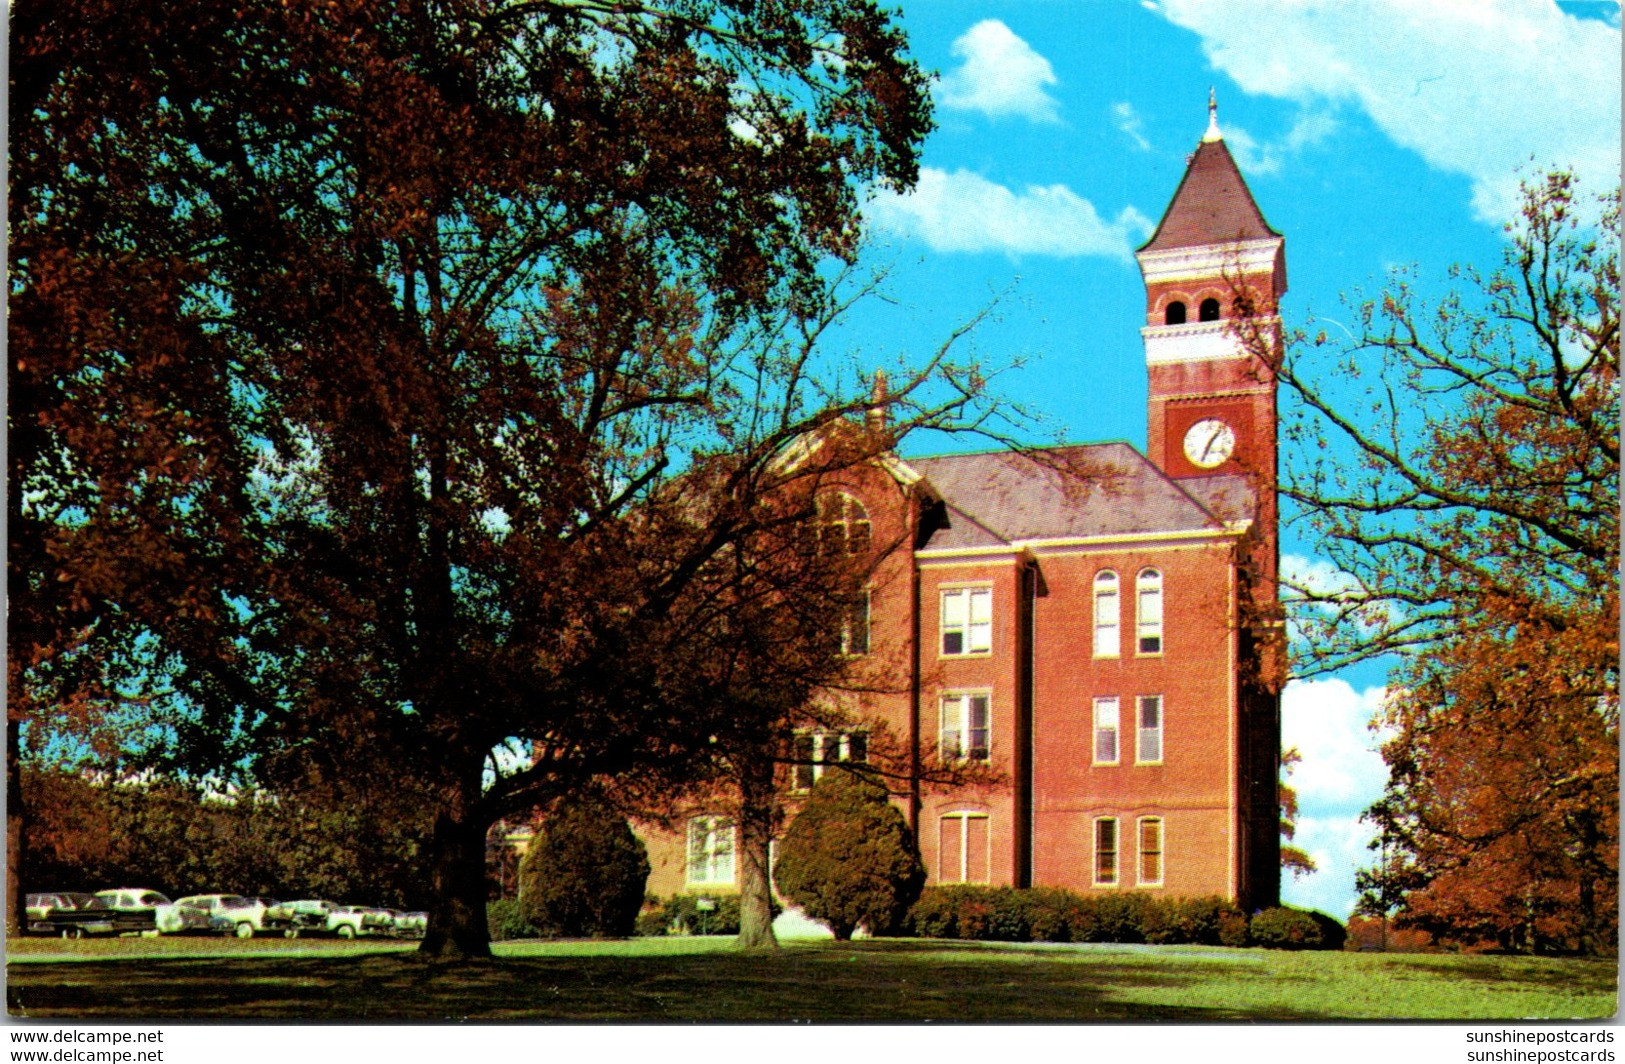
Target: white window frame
{"points": [[1097, 851], [823, 749], [1148, 613], [1108, 721], [1148, 738], [972, 621], [717, 842], [1141, 851], [958, 708], [839, 516], [1108, 628], [964, 817]]}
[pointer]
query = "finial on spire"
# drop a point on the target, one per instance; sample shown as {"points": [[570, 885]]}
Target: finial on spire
{"points": [[1212, 133]]}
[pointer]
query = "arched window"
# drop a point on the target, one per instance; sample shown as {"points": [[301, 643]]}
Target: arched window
{"points": [[1175, 314], [1107, 644], [1148, 611], [843, 524], [1209, 310]]}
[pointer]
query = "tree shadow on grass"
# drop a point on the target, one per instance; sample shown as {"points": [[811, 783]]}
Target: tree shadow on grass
{"points": [[882, 982]]}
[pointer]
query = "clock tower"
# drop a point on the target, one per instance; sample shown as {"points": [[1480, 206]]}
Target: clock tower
{"points": [[1214, 272]]}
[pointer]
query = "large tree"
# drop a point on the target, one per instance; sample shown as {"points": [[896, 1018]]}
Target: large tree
{"points": [[1458, 466], [388, 383]]}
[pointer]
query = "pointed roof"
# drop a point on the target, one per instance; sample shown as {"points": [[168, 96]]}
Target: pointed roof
{"points": [[1212, 204]]}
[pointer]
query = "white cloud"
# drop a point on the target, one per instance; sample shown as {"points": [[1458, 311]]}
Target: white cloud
{"points": [[1310, 128], [1128, 121], [1475, 87], [965, 212], [999, 75], [1341, 774]]}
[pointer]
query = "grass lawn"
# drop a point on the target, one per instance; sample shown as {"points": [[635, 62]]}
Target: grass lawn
{"points": [[694, 979]]}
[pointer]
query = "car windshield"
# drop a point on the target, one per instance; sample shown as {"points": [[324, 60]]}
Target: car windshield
{"points": [[152, 897], [233, 901]]}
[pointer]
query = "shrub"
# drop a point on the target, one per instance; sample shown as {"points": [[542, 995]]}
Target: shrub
{"points": [[1283, 928], [1333, 935], [1191, 921], [1118, 918], [584, 874], [1052, 914], [1233, 930], [695, 914], [849, 858], [505, 920], [935, 915]]}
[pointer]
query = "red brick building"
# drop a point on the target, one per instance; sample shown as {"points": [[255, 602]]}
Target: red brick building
{"points": [[1100, 627]]}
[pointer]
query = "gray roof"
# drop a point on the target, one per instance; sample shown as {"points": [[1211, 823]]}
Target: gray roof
{"points": [[1104, 489]]}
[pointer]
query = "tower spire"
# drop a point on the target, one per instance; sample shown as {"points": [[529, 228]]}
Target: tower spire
{"points": [[1212, 133]]}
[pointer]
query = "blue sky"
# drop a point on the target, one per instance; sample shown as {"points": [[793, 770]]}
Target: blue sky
{"points": [[1373, 135]]}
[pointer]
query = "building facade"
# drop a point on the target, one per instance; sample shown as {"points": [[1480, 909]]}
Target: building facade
{"points": [[1096, 628]]}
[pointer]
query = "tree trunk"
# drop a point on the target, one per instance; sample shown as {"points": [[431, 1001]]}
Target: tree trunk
{"points": [[757, 806], [457, 925], [15, 837]]}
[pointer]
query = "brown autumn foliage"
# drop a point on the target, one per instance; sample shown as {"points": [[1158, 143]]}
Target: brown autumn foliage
{"points": [[367, 358], [1458, 465]]}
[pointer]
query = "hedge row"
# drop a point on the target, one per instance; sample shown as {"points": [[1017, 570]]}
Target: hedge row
{"points": [[1049, 914], [681, 914]]}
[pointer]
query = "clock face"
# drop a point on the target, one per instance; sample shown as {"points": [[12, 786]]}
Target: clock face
{"points": [[1209, 443]]}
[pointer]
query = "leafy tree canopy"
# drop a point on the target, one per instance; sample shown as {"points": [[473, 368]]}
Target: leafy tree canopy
{"points": [[1466, 495], [393, 384]]}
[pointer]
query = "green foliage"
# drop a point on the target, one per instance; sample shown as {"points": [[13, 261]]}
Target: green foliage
{"points": [[507, 921], [1050, 914], [1284, 928], [584, 874], [166, 835], [849, 858], [695, 914]]}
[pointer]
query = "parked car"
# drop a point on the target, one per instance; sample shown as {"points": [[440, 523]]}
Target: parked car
{"points": [[345, 921], [353, 921], [412, 925], [135, 909], [234, 914], [308, 916], [68, 913]]}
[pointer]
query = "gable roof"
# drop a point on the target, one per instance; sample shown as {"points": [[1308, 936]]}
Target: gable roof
{"points": [[1104, 489], [1211, 206]]}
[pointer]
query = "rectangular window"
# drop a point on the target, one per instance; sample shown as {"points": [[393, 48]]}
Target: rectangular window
{"points": [[855, 625], [1106, 722], [962, 851], [710, 851], [1148, 734], [966, 727], [813, 751], [1150, 851], [1106, 851], [967, 620]]}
